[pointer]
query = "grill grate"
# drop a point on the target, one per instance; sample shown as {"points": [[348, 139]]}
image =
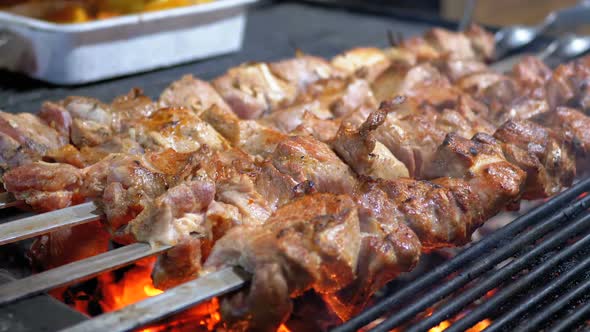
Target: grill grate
{"points": [[524, 256]]}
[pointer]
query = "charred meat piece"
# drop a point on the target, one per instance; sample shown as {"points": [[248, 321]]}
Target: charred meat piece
{"points": [[544, 155], [87, 122], [472, 182], [388, 248], [473, 44], [89, 155], [575, 127], [311, 243]]}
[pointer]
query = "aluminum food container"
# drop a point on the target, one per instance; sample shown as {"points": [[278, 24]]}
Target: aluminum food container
{"points": [[80, 53]]}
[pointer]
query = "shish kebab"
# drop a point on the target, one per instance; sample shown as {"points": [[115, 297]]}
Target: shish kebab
{"points": [[348, 134]]}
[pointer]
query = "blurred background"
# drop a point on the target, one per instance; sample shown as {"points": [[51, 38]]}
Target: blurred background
{"points": [[489, 12]]}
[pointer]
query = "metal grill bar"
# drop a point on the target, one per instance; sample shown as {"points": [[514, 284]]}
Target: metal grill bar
{"points": [[168, 303], [532, 218], [7, 200], [581, 312], [76, 271], [535, 216], [476, 270], [495, 279], [483, 310], [555, 307], [47, 222], [523, 282]]}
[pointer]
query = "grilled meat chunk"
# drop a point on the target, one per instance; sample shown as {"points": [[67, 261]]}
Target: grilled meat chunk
{"points": [[575, 127], [288, 119], [178, 217], [544, 155], [305, 70], [455, 45], [312, 242], [388, 248], [472, 182], [423, 82], [252, 90], [367, 156], [364, 62], [482, 42], [125, 185], [456, 69], [24, 138], [306, 159], [192, 93], [179, 129], [127, 109], [176, 214], [93, 122], [569, 85], [251, 136], [45, 186]]}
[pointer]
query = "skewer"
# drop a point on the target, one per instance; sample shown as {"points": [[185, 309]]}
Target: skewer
{"points": [[47, 222], [76, 271], [7, 200], [170, 302]]}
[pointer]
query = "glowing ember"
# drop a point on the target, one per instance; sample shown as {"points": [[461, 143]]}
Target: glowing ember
{"points": [[491, 292], [475, 328], [480, 326], [441, 327], [283, 328]]}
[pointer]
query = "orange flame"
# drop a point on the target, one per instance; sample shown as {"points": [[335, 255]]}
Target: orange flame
{"points": [[136, 285]]}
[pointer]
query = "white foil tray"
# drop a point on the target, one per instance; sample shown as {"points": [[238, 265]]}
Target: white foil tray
{"points": [[80, 53]]}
